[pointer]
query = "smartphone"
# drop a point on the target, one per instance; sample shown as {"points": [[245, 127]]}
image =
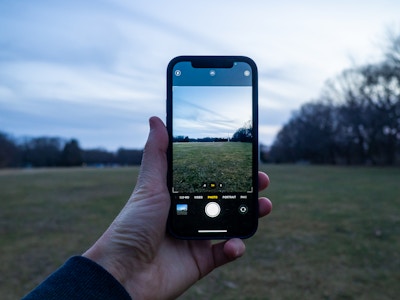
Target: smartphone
{"points": [[212, 122]]}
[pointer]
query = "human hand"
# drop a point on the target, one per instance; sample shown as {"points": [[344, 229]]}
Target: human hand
{"points": [[136, 249]]}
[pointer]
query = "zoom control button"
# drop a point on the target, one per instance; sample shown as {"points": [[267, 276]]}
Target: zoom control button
{"points": [[212, 209]]}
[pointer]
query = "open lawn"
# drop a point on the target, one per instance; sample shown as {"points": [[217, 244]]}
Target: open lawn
{"points": [[219, 162], [334, 232]]}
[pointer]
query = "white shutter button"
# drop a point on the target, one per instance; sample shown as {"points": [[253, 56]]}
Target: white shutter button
{"points": [[212, 209]]}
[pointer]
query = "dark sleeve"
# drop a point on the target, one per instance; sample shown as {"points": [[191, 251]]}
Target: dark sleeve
{"points": [[79, 278]]}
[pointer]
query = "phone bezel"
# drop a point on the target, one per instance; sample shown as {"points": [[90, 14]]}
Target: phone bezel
{"points": [[215, 62]]}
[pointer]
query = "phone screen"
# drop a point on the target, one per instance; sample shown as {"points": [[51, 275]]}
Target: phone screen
{"points": [[213, 150]]}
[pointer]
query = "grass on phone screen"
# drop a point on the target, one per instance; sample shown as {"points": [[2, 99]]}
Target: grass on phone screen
{"points": [[228, 163]]}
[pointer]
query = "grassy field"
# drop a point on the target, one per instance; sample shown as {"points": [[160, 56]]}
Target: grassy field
{"points": [[334, 232], [218, 162]]}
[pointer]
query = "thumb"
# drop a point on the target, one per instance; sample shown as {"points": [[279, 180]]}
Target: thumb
{"points": [[153, 171]]}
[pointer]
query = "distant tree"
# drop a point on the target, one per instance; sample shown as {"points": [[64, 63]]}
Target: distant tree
{"points": [[392, 52], [129, 156], [264, 153], [8, 151], [42, 152], [369, 101], [353, 115], [72, 154], [283, 149], [307, 137], [98, 157], [356, 120], [54, 152], [381, 89], [205, 140], [221, 139], [243, 134], [181, 139]]}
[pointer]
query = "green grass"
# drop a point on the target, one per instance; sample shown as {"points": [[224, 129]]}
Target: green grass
{"points": [[334, 232], [218, 162]]}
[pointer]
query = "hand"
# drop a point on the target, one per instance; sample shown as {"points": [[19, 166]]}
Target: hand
{"points": [[136, 249]]}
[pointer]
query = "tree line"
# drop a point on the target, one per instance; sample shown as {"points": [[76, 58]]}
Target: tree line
{"points": [[57, 152], [243, 134], [356, 119]]}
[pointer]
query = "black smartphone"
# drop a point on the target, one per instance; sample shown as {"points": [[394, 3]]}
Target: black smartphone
{"points": [[212, 122]]}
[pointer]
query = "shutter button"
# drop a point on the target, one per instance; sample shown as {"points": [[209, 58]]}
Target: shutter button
{"points": [[212, 209]]}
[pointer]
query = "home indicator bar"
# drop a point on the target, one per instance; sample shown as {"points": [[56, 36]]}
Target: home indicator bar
{"points": [[212, 231]]}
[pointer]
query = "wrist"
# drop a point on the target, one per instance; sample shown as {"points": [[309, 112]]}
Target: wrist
{"points": [[128, 273], [98, 254]]}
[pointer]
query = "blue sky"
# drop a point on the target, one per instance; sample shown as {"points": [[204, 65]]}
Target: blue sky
{"points": [[95, 70]]}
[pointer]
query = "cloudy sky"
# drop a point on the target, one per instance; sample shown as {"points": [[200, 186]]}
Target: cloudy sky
{"points": [[216, 111], [95, 70]]}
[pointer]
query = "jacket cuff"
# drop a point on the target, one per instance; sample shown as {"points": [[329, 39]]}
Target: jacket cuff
{"points": [[79, 278]]}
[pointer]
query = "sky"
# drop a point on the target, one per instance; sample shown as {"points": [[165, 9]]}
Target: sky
{"points": [[96, 70], [213, 111]]}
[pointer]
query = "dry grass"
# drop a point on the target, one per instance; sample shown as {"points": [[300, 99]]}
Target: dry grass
{"points": [[334, 232], [49, 215]]}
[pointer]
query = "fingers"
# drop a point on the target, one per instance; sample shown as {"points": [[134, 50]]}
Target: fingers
{"points": [[264, 206], [228, 251], [234, 248], [263, 181]]}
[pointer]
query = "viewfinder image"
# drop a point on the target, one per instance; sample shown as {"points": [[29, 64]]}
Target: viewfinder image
{"points": [[212, 138]]}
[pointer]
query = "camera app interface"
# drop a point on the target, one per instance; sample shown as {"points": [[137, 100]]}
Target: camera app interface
{"points": [[212, 146]]}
